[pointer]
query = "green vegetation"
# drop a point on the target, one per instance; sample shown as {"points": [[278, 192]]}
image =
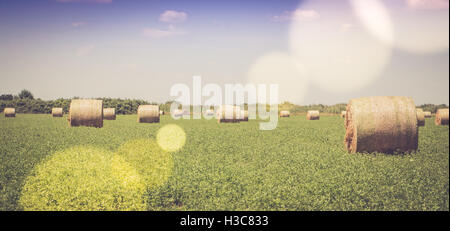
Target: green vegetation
{"points": [[26, 94], [301, 165], [25, 103], [36, 106], [83, 178]]}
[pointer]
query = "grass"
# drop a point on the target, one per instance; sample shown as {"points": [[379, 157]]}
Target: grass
{"points": [[301, 165]]}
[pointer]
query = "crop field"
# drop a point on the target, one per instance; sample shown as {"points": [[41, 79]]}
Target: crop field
{"points": [[203, 165]]}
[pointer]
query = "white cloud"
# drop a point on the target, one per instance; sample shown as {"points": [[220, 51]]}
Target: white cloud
{"points": [[159, 33], [296, 15], [428, 4], [172, 16], [78, 24]]}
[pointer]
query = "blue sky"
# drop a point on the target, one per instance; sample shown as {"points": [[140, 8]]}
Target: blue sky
{"points": [[139, 49]]}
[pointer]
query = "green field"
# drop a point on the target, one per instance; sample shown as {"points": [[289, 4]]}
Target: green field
{"points": [[301, 165]]}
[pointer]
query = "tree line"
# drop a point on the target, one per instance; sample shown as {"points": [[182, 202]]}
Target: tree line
{"points": [[25, 102]]}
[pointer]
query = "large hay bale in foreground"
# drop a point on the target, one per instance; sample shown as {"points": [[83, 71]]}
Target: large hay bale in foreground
{"points": [[343, 113], [427, 114], [381, 124], [441, 117], [57, 112], [420, 117], [86, 112], [285, 113], [228, 114], [109, 113], [148, 114], [313, 115], [9, 112]]}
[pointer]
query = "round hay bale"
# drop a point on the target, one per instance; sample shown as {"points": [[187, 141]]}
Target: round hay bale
{"points": [[9, 112], [109, 113], [177, 113], [57, 112], [427, 114], [209, 112], [420, 117], [285, 113], [86, 112], [441, 117], [228, 114], [244, 115], [148, 114], [343, 113], [161, 112], [381, 124], [313, 115]]}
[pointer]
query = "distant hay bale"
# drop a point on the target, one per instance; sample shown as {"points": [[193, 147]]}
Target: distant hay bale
{"points": [[148, 114], [177, 113], [228, 114], [420, 117], [209, 112], [313, 115], [86, 112], [9, 112], [161, 112], [427, 114], [441, 117], [285, 113], [57, 112], [381, 124], [343, 113], [244, 115], [109, 113]]}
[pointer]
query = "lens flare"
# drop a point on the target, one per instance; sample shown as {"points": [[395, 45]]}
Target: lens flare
{"points": [[280, 68], [336, 50], [414, 26], [171, 137], [152, 163], [375, 17], [83, 179]]}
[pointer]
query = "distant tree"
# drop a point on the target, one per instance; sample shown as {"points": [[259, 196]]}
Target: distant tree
{"points": [[25, 94], [6, 97]]}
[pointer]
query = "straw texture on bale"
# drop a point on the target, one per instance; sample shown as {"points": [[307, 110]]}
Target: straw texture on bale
{"points": [[312, 115], [109, 113], [427, 114], [285, 113], [86, 112], [229, 114], [420, 117], [381, 124], [57, 112], [244, 115], [148, 114], [9, 112], [343, 113], [441, 117]]}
